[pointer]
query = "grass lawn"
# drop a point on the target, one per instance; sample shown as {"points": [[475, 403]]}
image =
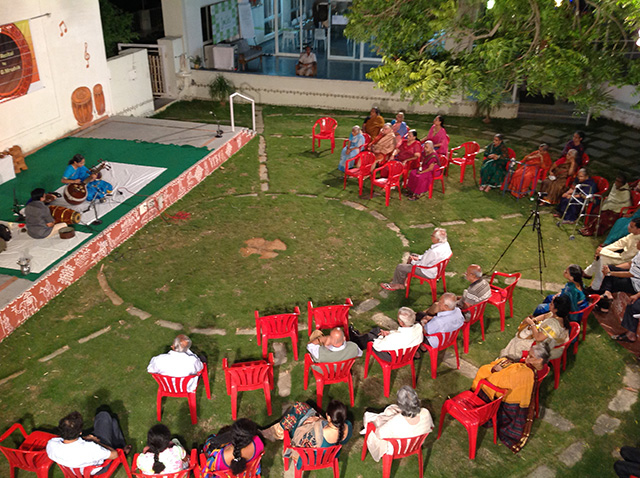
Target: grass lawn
{"points": [[192, 273]]}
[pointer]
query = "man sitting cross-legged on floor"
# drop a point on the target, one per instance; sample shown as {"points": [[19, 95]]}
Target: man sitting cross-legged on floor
{"points": [[479, 290], [72, 450], [180, 361], [621, 278], [332, 347], [615, 253], [408, 335], [448, 318], [438, 252]]}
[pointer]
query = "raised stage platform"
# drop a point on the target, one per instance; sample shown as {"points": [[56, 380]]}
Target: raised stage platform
{"points": [[180, 154]]}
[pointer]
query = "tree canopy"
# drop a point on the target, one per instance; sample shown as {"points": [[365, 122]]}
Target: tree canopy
{"points": [[435, 49], [116, 27]]}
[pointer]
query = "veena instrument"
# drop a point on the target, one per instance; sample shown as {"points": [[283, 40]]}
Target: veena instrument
{"points": [[76, 193]]}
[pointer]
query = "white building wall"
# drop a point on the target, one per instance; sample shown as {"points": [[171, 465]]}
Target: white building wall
{"points": [[182, 19], [130, 82], [625, 98], [44, 115]]}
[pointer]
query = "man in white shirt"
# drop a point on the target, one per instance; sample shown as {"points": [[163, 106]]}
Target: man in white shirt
{"points": [[73, 451], [448, 319], [180, 361], [408, 334], [307, 63], [438, 252], [619, 252]]}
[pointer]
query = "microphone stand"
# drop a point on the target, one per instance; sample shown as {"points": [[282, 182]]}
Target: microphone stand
{"points": [[219, 131]]}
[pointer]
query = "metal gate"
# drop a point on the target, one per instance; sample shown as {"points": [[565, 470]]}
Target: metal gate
{"points": [[156, 68]]}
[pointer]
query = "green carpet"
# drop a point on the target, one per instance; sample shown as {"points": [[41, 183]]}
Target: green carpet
{"points": [[47, 165]]}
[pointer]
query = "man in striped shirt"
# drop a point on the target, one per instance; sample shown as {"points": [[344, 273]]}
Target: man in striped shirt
{"points": [[478, 291]]}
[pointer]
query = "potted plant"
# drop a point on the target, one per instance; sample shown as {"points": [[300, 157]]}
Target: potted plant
{"points": [[220, 88], [197, 62]]}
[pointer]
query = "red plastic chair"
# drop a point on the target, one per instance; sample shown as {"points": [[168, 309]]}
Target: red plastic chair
{"points": [[330, 372], [408, 166], [177, 387], [402, 447], [312, 458], [477, 315], [445, 340], [433, 283], [245, 376], [583, 315], [472, 411], [111, 465], [540, 376], [500, 296], [327, 127], [573, 335], [361, 172], [439, 175], [394, 171], [277, 327], [329, 316], [468, 158], [30, 455], [399, 358], [252, 470], [178, 474]]}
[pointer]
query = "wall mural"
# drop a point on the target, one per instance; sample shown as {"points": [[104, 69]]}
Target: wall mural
{"points": [[18, 67]]}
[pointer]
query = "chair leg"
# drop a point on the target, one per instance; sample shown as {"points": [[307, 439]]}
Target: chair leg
{"points": [[511, 307], [267, 397], [434, 290], [584, 331], [465, 337], [159, 406], [443, 413], [387, 193], [406, 292], [234, 403], [265, 344], [313, 143], [501, 311], [462, 168], [360, 184], [387, 461], [455, 348], [319, 392], [351, 390], [556, 373], [367, 357], [421, 466], [386, 375], [472, 431], [191, 398], [336, 469], [345, 179], [413, 373], [482, 326], [433, 356], [294, 343]]}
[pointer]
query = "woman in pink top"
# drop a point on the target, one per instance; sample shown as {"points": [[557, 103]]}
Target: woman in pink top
{"points": [[438, 135], [162, 455]]}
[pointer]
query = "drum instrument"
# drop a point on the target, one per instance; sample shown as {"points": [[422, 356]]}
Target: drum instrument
{"points": [[64, 214], [67, 233], [76, 193], [82, 105], [98, 99]]}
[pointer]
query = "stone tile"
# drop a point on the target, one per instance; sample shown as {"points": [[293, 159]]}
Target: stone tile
{"points": [[483, 219], [384, 293], [306, 195], [609, 129], [354, 205], [384, 321], [264, 175], [250, 195], [141, 314], [422, 226], [627, 154], [453, 223], [623, 401], [631, 134], [264, 187], [605, 425], [11, 377], [599, 144], [366, 306], [554, 132], [632, 377], [526, 133], [511, 216], [403, 239], [573, 454], [94, 335], [450, 274], [596, 153], [262, 146], [209, 331], [377, 215], [284, 384], [279, 353], [533, 126], [169, 325], [251, 331], [605, 137], [550, 140], [393, 227], [542, 472], [556, 420], [466, 368], [60, 351]]}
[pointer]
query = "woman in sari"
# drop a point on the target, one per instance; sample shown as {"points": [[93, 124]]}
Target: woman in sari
{"points": [[493, 171], [76, 172], [619, 197], [516, 413], [353, 148], [527, 171], [556, 183], [421, 179], [582, 187], [438, 136], [374, 122], [399, 127], [409, 149], [232, 448], [307, 428], [552, 327], [575, 143], [573, 290]]}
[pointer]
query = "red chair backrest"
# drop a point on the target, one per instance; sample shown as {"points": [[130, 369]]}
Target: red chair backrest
{"points": [[585, 160], [586, 310], [511, 153], [476, 311], [367, 158], [250, 472], [315, 458], [470, 148], [248, 375], [402, 357], [173, 385], [542, 373], [484, 412], [440, 267], [445, 339], [574, 332], [332, 371], [86, 471], [508, 288], [177, 474], [443, 161], [367, 138], [601, 183], [29, 460], [327, 125], [277, 325], [396, 168], [406, 446], [329, 316], [635, 198]]}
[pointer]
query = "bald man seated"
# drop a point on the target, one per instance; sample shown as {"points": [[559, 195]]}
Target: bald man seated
{"points": [[331, 348]]}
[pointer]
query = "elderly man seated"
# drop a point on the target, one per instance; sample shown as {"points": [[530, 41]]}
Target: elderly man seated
{"points": [[438, 252], [615, 253], [478, 291], [517, 410], [73, 450], [449, 318], [408, 334], [180, 361], [331, 348], [383, 145]]}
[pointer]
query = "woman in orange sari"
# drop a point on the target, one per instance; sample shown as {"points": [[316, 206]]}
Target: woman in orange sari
{"points": [[527, 171]]}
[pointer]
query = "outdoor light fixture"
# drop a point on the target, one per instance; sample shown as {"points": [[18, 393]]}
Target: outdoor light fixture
{"points": [[558, 3], [490, 4]]}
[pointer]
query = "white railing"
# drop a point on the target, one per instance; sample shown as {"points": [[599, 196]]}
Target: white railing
{"points": [[253, 110]]}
